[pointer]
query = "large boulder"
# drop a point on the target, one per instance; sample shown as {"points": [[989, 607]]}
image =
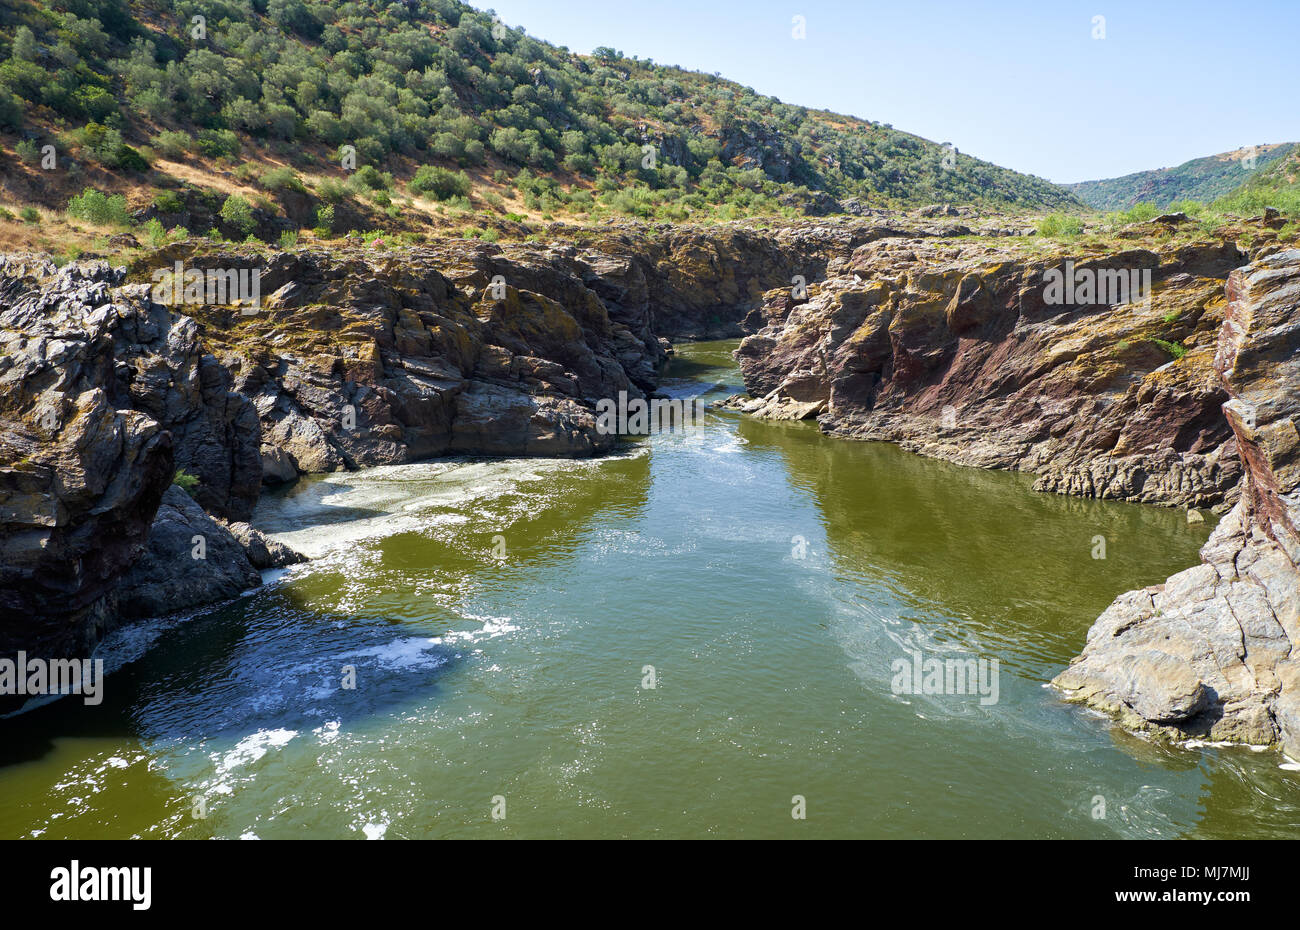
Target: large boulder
{"points": [[190, 561]]}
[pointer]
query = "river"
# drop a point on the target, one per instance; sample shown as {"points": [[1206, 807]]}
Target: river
{"points": [[692, 638]]}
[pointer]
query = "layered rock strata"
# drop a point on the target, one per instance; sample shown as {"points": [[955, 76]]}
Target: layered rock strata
{"points": [[1211, 652]]}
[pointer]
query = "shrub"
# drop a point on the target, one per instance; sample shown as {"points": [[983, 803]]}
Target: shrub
{"points": [[1173, 348], [1140, 212], [100, 209], [215, 143], [168, 202], [324, 221], [172, 144], [440, 183], [331, 191], [280, 179], [369, 176], [1059, 225], [11, 110], [105, 146], [28, 151], [154, 232], [288, 238], [237, 213]]}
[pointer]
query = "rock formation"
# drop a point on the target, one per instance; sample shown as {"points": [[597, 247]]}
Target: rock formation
{"points": [[1211, 652], [948, 346]]}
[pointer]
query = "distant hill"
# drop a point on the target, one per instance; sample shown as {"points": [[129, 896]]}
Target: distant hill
{"points": [[1277, 185], [147, 95], [1203, 179]]}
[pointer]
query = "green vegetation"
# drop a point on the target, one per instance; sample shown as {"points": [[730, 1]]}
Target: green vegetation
{"points": [[185, 481], [100, 209], [1201, 179], [1175, 349], [237, 213], [282, 179], [1058, 225], [1277, 187], [1138, 213], [440, 183], [168, 202], [432, 83]]}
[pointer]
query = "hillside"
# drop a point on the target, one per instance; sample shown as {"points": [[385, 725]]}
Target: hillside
{"points": [[1276, 186], [372, 114], [1203, 179]]}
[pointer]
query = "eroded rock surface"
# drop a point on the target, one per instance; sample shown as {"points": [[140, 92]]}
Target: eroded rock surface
{"points": [[190, 561], [1212, 652], [951, 348]]}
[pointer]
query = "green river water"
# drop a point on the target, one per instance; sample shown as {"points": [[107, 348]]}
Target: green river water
{"points": [[770, 575]]}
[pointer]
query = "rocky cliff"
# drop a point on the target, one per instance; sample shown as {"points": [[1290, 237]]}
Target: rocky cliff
{"points": [[352, 358], [1211, 652], [952, 346]]}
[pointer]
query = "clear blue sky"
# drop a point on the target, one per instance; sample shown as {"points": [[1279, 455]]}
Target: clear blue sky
{"points": [[1021, 83]]}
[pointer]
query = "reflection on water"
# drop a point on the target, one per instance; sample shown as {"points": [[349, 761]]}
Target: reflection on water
{"points": [[478, 629]]}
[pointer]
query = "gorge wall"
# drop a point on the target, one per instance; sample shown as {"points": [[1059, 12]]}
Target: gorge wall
{"points": [[949, 348], [355, 357], [1211, 652]]}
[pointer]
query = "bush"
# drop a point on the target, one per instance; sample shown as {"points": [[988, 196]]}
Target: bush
{"points": [[154, 232], [1139, 212], [30, 215], [280, 179], [288, 238], [214, 143], [440, 183], [324, 221], [331, 191], [172, 144], [1173, 348], [100, 209], [369, 176], [105, 146], [1059, 225], [237, 213], [168, 202]]}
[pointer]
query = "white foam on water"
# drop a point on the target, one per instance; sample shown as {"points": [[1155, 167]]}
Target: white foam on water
{"points": [[251, 748], [411, 652], [327, 732], [404, 499]]}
